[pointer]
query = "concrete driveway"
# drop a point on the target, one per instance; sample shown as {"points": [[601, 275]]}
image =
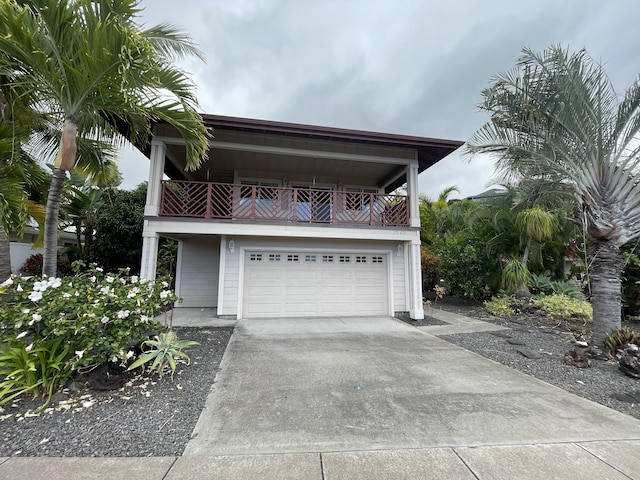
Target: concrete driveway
{"points": [[366, 384]]}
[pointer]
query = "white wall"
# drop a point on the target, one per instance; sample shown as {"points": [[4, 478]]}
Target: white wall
{"points": [[19, 254]]}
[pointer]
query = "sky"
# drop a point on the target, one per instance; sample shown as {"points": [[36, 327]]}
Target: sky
{"points": [[412, 67]]}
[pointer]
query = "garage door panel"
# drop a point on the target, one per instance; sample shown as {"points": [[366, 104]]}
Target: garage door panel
{"points": [[314, 288]]}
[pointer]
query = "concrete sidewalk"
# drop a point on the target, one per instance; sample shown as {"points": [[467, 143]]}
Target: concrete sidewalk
{"points": [[374, 398]]}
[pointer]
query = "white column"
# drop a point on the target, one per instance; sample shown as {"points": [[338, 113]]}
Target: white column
{"points": [[149, 255], [416, 308], [413, 193], [156, 171]]}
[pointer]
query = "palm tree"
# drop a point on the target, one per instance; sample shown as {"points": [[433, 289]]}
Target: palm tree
{"points": [[556, 117], [97, 74]]}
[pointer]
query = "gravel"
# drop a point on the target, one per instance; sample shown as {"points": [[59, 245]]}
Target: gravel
{"points": [[602, 382], [147, 417], [155, 416]]}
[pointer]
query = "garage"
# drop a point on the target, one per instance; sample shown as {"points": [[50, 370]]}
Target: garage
{"points": [[314, 284]]}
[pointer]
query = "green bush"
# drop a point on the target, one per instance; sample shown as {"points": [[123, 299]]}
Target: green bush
{"points": [[431, 268], [618, 339], [564, 307], [100, 316], [38, 368], [500, 307], [540, 284], [568, 289], [514, 274]]}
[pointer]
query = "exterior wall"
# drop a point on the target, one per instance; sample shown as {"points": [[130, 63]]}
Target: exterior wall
{"points": [[234, 265], [199, 262]]}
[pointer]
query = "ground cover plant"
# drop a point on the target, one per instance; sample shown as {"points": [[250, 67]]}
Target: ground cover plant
{"points": [[54, 328]]}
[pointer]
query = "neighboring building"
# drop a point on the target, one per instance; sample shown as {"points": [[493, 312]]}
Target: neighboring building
{"points": [[22, 247], [288, 220]]}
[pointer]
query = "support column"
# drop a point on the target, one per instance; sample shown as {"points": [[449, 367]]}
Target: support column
{"points": [[416, 307], [413, 194], [156, 171], [149, 255]]}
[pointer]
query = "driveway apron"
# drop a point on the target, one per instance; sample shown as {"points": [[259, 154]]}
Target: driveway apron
{"points": [[351, 384]]}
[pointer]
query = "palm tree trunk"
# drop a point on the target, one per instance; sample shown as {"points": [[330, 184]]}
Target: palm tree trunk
{"points": [[50, 260], [5, 256], [606, 289]]}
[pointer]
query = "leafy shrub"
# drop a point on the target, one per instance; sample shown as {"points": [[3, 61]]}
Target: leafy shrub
{"points": [[500, 307], [100, 316], [618, 339], [33, 266], [165, 349], [540, 284], [568, 289], [514, 274], [564, 307], [431, 268], [39, 368]]}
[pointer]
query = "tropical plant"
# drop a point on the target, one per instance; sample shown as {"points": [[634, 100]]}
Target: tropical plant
{"points": [[39, 368], [566, 288], [618, 339], [556, 119], [515, 277], [565, 308], [540, 284], [499, 307], [96, 73], [165, 349]]}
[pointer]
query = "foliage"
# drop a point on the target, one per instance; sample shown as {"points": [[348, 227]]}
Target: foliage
{"points": [[39, 368], [165, 349], [119, 224], [567, 289], [33, 265], [500, 307], [167, 257], [618, 339], [564, 307], [540, 284], [100, 316], [514, 274], [631, 280], [431, 268], [556, 120]]}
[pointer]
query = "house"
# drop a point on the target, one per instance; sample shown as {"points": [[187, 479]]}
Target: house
{"points": [[288, 220], [22, 247]]}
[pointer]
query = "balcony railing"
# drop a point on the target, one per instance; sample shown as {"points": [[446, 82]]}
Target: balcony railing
{"points": [[307, 205]]}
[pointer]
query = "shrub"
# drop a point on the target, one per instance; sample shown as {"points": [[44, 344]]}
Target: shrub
{"points": [[540, 284], [431, 268], [33, 266], [564, 307], [568, 289], [618, 339], [500, 307], [514, 274], [99, 316]]}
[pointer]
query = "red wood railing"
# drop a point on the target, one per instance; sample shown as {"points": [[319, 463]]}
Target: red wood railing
{"points": [[250, 202]]}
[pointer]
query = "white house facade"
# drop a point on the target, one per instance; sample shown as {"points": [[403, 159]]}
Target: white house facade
{"points": [[288, 220]]}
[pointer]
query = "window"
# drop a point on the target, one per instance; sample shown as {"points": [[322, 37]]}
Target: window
{"points": [[265, 192], [274, 257], [314, 203], [345, 259], [327, 258], [359, 198], [376, 259], [292, 258], [361, 259], [255, 257], [309, 258]]}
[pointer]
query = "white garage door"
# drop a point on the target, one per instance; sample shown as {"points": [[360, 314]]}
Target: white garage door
{"points": [[290, 284]]}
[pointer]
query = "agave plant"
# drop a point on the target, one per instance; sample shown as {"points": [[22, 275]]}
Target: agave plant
{"points": [[557, 120], [165, 349]]}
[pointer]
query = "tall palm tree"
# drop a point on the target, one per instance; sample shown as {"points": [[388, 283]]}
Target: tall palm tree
{"points": [[556, 116], [97, 73]]}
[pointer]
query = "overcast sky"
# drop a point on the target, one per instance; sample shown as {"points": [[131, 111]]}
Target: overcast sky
{"points": [[414, 67]]}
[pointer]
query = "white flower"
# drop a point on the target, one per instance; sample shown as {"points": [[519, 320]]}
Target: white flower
{"points": [[79, 353], [134, 279], [109, 279], [25, 311], [129, 354], [99, 269], [66, 295], [144, 319], [29, 347], [40, 286], [114, 359], [105, 290], [7, 282], [36, 317], [93, 279], [122, 314], [164, 284], [19, 288], [77, 294], [104, 319], [55, 282], [123, 281], [164, 294], [22, 334], [35, 296]]}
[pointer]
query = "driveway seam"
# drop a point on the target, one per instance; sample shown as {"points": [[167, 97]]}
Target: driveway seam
{"points": [[464, 462], [602, 460]]}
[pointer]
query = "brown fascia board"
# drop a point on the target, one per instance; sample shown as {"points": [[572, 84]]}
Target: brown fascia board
{"points": [[430, 150]]}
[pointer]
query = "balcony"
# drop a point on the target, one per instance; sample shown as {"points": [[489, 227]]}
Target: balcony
{"points": [[223, 201]]}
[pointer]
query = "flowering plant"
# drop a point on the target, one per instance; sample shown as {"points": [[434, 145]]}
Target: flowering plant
{"points": [[101, 316]]}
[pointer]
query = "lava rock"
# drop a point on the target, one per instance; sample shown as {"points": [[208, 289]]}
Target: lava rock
{"points": [[577, 358], [629, 362]]}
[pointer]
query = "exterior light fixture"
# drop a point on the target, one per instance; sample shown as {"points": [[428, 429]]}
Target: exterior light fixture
{"points": [[232, 246], [399, 249]]}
